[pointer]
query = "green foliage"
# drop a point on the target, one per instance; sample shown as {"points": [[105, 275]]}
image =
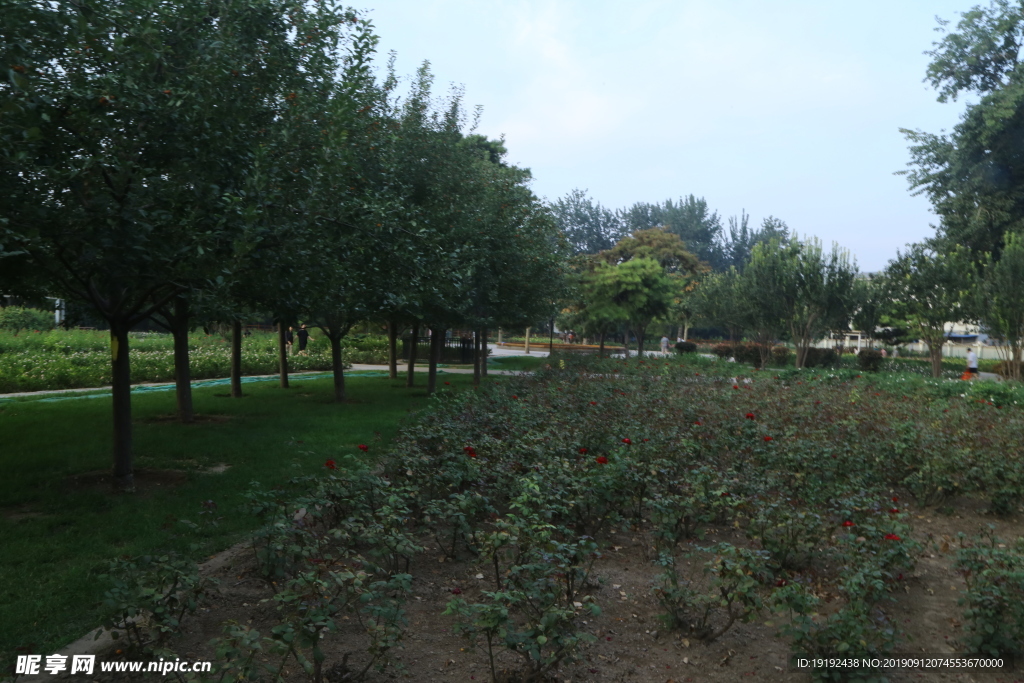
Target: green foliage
{"points": [[869, 360], [16, 319], [686, 347], [150, 597], [994, 600]]}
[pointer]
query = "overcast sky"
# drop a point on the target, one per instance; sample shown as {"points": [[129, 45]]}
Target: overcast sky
{"points": [[782, 108]]}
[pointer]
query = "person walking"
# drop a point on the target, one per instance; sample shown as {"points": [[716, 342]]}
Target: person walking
{"points": [[972, 362], [664, 344], [303, 335], [289, 340]]}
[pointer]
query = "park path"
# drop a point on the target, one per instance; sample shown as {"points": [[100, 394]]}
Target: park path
{"points": [[157, 386]]}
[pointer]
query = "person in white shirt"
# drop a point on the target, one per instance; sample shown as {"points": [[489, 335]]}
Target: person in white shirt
{"points": [[972, 362], [664, 344]]}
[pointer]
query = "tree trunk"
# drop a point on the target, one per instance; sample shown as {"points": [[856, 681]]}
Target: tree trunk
{"points": [[935, 352], [679, 333], [686, 330], [282, 354], [476, 358], [483, 358], [527, 345], [410, 378], [640, 334], [625, 343], [182, 376], [236, 359], [499, 336], [392, 350], [436, 341], [600, 351], [338, 367], [121, 391]]}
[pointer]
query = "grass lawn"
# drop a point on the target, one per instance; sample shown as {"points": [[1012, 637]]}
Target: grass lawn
{"points": [[59, 525], [517, 363]]}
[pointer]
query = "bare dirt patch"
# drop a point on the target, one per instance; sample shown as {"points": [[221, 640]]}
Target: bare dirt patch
{"points": [[146, 480]]}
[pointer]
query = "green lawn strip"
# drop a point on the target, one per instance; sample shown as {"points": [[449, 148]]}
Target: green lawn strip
{"points": [[517, 363], [58, 538]]}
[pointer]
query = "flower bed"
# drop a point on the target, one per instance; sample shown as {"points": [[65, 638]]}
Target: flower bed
{"points": [[742, 499]]}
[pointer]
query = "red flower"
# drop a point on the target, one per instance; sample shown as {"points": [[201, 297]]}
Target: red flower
{"points": [[447, 382], [781, 582], [627, 441], [750, 416], [471, 454], [514, 397], [646, 439], [583, 451], [894, 511], [848, 523], [735, 386], [698, 423], [593, 403], [330, 464], [768, 438], [696, 374], [456, 591], [601, 460], [895, 499], [892, 537], [363, 447]]}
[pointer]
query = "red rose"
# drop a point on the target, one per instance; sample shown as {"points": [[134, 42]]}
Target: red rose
{"points": [[894, 511], [750, 416], [330, 464], [447, 382], [583, 451], [735, 386], [768, 438], [892, 537], [514, 396], [601, 460], [456, 591], [627, 441], [895, 499], [593, 403], [363, 447], [848, 523], [698, 423], [646, 439]]}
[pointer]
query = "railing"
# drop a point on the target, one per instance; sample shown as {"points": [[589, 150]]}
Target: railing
{"points": [[456, 351]]}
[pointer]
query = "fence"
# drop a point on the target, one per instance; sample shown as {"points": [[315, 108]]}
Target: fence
{"points": [[455, 350]]}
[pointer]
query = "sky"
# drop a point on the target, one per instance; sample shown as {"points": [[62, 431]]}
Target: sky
{"points": [[785, 108]]}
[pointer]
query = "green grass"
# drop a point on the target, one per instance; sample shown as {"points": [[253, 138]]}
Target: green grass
{"points": [[58, 537], [517, 363]]}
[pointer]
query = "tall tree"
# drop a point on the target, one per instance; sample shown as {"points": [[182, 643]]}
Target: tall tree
{"points": [[999, 300], [974, 176], [588, 227], [929, 289], [128, 129]]}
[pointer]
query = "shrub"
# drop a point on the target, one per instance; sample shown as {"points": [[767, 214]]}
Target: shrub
{"points": [[722, 350], [994, 602], [16, 319], [869, 360], [686, 347], [823, 358], [780, 355]]}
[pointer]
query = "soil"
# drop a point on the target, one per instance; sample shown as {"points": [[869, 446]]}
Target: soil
{"points": [[146, 480], [632, 643]]}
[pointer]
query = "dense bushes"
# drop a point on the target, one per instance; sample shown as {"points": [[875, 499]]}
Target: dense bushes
{"points": [[869, 360], [16, 319], [81, 358], [686, 347]]}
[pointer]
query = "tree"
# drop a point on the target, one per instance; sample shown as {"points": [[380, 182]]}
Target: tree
{"points": [[999, 300], [973, 176], [698, 227], [763, 285], [640, 288], [658, 244], [128, 136], [870, 296], [589, 228], [720, 299], [814, 290], [928, 288]]}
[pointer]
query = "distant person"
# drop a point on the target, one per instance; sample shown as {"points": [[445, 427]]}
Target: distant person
{"points": [[289, 340], [664, 344], [895, 353], [885, 353], [972, 362], [303, 335]]}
